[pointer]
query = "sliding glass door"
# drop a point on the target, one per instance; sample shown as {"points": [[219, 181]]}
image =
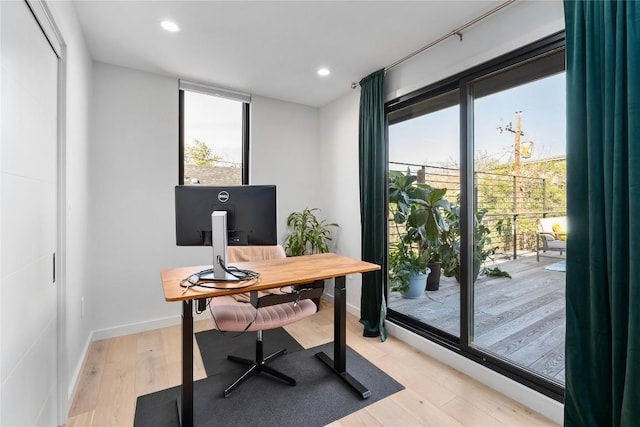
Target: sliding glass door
{"points": [[477, 187]]}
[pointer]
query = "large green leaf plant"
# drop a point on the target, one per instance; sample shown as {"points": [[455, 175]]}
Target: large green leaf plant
{"points": [[308, 234], [417, 211]]}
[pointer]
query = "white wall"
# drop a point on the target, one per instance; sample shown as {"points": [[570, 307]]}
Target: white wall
{"points": [[133, 170], [1, 229], [339, 157], [514, 27], [284, 151], [519, 24]]}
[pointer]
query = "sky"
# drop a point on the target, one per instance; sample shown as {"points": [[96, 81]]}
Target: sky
{"points": [[215, 121], [433, 139]]}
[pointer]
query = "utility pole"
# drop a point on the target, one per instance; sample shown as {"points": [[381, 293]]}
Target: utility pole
{"points": [[516, 175], [516, 165], [517, 156]]}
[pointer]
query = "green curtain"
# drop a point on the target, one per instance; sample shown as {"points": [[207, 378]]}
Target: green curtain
{"points": [[603, 207], [373, 187]]}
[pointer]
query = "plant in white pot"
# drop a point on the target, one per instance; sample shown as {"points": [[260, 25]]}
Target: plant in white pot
{"points": [[418, 212]]}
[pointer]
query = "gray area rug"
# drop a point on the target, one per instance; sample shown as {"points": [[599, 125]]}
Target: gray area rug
{"points": [[215, 346], [320, 397]]}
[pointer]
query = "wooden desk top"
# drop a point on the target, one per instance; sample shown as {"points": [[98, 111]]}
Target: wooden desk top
{"points": [[274, 273]]}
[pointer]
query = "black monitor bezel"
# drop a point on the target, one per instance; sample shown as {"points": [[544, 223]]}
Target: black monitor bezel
{"points": [[251, 213]]}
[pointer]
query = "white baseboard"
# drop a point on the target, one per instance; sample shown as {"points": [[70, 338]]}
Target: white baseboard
{"points": [[147, 325], [118, 331], [352, 309], [133, 328], [538, 402], [73, 381]]}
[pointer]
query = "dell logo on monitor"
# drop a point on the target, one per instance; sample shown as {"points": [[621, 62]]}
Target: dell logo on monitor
{"points": [[223, 196]]}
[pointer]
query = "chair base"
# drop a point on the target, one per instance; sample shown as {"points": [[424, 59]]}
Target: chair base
{"points": [[257, 366]]}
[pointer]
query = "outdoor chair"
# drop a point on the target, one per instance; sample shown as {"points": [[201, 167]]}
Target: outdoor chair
{"points": [[552, 235]]}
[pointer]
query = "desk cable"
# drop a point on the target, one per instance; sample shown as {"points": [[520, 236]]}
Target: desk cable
{"points": [[249, 278]]}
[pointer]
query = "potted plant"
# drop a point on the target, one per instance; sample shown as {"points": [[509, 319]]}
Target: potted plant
{"points": [[418, 213], [482, 249], [308, 235], [435, 265], [408, 270], [450, 243]]}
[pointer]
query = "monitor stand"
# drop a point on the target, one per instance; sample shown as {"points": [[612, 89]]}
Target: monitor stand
{"points": [[210, 277], [219, 246]]}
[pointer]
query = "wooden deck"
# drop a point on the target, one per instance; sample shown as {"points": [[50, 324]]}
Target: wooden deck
{"points": [[521, 319]]}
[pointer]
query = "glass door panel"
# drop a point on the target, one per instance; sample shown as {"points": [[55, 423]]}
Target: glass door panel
{"points": [[519, 180], [424, 187]]}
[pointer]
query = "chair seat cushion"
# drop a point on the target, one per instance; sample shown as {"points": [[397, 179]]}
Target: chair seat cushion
{"points": [[234, 316], [558, 245]]}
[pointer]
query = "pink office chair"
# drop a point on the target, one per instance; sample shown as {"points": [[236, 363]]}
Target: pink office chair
{"points": [[262, 313]]}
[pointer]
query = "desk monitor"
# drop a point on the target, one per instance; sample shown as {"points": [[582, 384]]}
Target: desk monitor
{"points": [[250, 212]]}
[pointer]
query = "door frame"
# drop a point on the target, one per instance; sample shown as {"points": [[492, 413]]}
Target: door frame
{"points": [[46, 21]]}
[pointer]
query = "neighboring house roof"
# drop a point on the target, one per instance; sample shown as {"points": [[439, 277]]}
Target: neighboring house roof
{"points": [[212, 175]]}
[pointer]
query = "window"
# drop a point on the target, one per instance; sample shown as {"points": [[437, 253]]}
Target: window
{"points": [[493, 137], [214, 133]]}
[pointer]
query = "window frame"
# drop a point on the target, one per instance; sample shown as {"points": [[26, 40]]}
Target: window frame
{"points": [[211, 91]]}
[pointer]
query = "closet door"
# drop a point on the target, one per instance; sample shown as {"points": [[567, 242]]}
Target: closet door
{"points": [[28, 220]]}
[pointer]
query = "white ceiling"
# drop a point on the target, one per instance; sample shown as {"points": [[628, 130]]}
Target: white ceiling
{"points": [[269, 48]]}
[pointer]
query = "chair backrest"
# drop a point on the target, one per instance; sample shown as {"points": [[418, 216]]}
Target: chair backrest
{"points": [[260, 253], [254, 253], [546, 225]]}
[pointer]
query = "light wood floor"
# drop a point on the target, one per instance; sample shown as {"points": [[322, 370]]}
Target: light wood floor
{"points": [[118, 370]]}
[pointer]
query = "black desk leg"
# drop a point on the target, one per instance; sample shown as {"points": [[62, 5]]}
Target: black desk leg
{"points": [[340, 325], [185, 403], [339, 366]]}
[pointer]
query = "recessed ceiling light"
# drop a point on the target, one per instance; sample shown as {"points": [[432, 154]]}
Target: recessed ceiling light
{"points": [[170, 26], [323, 71]]}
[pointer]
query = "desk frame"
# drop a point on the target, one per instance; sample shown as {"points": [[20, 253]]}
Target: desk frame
{"points": [[185, 402], [339, 365]]}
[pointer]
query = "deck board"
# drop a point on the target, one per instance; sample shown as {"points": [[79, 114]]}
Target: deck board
{"points": [[521, 319]]}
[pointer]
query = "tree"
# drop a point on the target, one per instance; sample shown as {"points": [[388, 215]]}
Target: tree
{"points": [[199, 153]]}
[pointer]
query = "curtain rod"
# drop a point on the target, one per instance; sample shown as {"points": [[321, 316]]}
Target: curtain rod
{"points": [[456, 32]]}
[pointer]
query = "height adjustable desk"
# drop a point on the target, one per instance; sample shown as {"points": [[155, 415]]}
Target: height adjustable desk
{"points": [[274, 273]]}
